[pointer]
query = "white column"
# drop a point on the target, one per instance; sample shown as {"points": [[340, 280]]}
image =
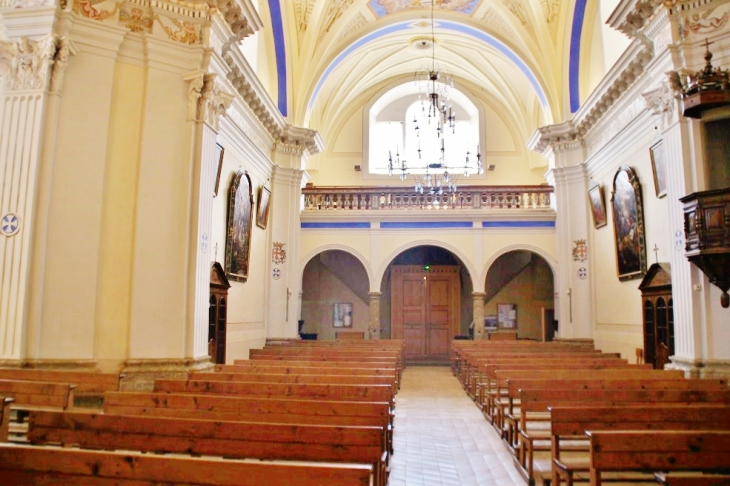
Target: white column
{"points": [[478, 314], [283, 305], [29, 78], [374, 315], [571, 230]]}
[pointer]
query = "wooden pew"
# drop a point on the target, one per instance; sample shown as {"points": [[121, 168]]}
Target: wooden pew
{"points": [[34, 394], [50, 466], [4, 417], [253, 409], [307, 391], [87, 382], [666, 451], [539, 400], [570, 423], [237, 440], [335, 379]]}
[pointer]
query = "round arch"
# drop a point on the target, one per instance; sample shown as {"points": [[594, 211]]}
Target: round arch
{"points": [[359, 256], [503, 251], [413, 244]]}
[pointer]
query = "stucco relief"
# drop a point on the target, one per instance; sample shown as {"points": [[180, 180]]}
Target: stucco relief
{"points": [[661, 102], [302, 11], [65, 49], [95, 9], [353, 26], [27, 62], [619, 123], [551, 8], [182, 31], [496, 23], [334, 12], [706, 22], [136, 19], [518, 10]]}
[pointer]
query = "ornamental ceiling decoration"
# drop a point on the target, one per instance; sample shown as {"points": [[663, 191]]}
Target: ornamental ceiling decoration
{"points": [[381, 8], [302, 11], [497, 24]]}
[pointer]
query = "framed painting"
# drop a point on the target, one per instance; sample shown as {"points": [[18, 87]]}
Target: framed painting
{"points": [[598, 206], [342, 315], [262, 206], [628, 223], [220, 152], [240, 218], [659, 168], [507, 316]]}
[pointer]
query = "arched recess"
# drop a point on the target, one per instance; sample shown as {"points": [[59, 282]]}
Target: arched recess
{"points": [[426, 299], [334, 281], [520, 294]]}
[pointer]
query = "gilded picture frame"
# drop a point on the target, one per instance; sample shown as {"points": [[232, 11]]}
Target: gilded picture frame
{"points": [[220, 153], [598, 206], [628, 223], [262, 206], [240, 219], [659, 168]]}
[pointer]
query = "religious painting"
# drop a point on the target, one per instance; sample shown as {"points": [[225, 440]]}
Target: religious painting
{"points": [[240, 218], [262, 211], [628, 223], [507, 316], [598, 206], [342, 315], [220, 152], [659, 168]]}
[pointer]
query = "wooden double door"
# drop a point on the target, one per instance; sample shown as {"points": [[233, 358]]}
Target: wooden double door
{"points": [[425, 307]]}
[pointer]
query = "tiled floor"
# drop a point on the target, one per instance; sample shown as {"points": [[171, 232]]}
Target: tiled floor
{"points": [[441, 437]]}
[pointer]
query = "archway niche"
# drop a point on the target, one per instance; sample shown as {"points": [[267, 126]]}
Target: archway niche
{"points": [[425, 263], [334, 279], [520, 284]]}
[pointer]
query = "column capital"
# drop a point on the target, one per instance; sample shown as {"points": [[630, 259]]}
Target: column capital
{"points": [[375, 295], [478, 295], [27, 63]]}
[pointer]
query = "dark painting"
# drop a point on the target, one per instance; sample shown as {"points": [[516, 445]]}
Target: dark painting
{"points": [[628, 223], [240, 216]]}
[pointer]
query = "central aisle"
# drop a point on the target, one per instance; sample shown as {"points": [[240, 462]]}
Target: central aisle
{"points": [[441, 437]]}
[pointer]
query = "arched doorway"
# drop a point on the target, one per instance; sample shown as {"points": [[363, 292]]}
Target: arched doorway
{"points": [[335, 296], [520, 296], [426, 296]]}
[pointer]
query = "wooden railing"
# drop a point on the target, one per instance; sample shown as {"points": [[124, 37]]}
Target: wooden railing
{"points": [[362, 198]]}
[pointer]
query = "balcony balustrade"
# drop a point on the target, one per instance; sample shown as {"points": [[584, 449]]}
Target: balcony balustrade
{"points": [[383, 198]]}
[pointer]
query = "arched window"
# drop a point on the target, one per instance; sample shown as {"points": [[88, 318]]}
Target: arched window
{"points": [[392, 121]]}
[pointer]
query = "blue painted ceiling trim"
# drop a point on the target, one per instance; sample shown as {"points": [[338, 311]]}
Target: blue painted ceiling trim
{"points": [[280, 50], [574, 64], [426, 224], [518, 224], [336, 225], [448, 25]]}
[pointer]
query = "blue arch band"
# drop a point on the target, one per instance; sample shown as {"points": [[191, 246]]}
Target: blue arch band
{"points": [[574, 64], [280, 50], [448, 25]]}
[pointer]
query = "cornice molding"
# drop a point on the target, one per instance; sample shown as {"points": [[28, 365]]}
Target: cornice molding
{"points": [[631, 16], [300, 141]]}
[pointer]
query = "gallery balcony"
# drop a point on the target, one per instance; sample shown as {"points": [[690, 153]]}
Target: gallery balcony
{"points": [[364, 200]]}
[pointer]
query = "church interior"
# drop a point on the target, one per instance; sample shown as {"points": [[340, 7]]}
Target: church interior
{"points": [[187, 183]]}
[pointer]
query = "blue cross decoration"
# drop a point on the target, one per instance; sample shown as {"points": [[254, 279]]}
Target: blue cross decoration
{"points": [[276, 273], [10, 224], [582, 273]]}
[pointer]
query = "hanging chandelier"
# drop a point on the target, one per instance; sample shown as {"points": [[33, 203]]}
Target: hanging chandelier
{"points": [[433, 172]]}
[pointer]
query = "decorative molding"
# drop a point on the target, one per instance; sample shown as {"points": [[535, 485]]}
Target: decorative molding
{"points": [[334, 12], [242, 18], [551, 8], [631, 17], [28, 62], [136, 19], [91, 9], [182, 31], [65, 49], [297, 140], [661, 101], [302, 12], [497, 23], [517, 8], [352, 27]]}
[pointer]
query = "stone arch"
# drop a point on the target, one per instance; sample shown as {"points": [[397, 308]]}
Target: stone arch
{"points": [[334, 246], [536, 250], [413, 244]]}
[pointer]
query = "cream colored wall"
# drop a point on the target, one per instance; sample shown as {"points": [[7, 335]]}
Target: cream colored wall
{"points": [[531, 291], [321, 291], [617, 305]]}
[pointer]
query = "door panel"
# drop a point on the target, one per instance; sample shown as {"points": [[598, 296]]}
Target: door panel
{"points": [[425, 309]]}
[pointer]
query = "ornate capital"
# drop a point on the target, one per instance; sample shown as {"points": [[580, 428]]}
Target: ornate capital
{"points": [[27, 62], [296, 141], [661, 102], [559, 137], [65, 50], [213, 102]]}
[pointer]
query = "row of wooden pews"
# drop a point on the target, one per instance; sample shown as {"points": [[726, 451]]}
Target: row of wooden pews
{"points": [[571, 414], [293, 414]]}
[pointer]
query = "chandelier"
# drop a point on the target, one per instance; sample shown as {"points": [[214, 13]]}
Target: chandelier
{"points": [[433, 172]]}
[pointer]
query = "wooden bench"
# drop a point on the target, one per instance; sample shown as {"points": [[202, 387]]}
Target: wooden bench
{"points": [[237, 440], [540, 400], [306, 391], [253, 409], [34, 394], [570, 423], [349, 335], [4, 417], [51, 466], [665, 451], [87, 382], [335, 379]]}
